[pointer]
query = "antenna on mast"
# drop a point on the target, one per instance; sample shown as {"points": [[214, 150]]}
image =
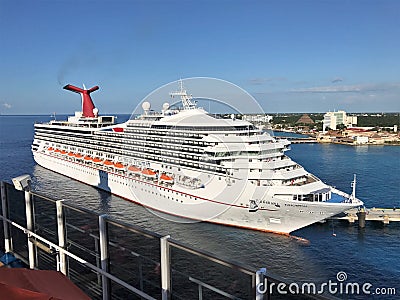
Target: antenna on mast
{"points": [[353, 185], [185, 98]]}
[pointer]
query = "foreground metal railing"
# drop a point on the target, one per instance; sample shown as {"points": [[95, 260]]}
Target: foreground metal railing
{"points": [[109, 259]]}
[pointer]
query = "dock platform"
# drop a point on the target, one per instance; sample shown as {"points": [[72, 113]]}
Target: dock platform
{"points": [[296, 140], [385, 215]]}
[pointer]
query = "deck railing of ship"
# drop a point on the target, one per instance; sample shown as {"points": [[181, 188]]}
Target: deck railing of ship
{"points": [[110, 259]]}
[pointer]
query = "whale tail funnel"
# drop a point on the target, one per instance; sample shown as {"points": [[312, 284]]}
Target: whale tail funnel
{"points": [[88, 108]]}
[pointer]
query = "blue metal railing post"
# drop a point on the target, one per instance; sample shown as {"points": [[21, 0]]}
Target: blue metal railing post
{"points": [[103, 232], [262, 284], [6, 227], [29, 226], [62, 262], [165, 265]]}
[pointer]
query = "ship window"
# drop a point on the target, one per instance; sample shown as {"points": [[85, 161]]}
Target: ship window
{"points": [[308, 197]]}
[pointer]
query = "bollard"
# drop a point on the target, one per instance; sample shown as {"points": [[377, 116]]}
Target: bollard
{"points": [[362, 214]]}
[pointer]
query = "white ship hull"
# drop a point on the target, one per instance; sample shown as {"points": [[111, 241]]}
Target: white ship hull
{"points": [[279, 216], [188, 163]]}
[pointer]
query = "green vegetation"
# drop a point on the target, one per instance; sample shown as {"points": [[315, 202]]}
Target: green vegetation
{"points": [[381, 120], [363, 120]]}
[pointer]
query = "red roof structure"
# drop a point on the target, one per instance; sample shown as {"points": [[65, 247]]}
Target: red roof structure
{"points": [[25, 284]]}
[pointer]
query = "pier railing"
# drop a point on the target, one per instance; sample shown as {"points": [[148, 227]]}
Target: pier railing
{"points": [[110, 259]]}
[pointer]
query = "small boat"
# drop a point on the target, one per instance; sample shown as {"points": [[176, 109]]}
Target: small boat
{"points": [[87, 158], [165, 178], [97, 160], [50, 149], [108, 163], [119, 166], [57, 151], [63, 152], [149, 173], [71, 154], [134, 169], [78, 156]]}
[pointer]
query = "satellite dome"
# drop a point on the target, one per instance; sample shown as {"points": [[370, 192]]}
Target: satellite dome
{"points": [[165, 106], [146, 106]]}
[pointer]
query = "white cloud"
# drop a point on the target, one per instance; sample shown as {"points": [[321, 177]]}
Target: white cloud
{"points": [[360, 88], [260, 81]]}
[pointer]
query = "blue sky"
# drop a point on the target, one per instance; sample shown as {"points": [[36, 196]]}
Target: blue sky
{"points": [[292, 56]]}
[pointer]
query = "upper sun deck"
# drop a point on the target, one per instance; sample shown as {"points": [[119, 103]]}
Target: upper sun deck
{"points": [[81, 122], [194, 120], [189, 117]]}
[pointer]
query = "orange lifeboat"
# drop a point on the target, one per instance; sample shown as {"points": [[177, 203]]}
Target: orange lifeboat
{"points": [[108, 163], [97, 160], [57, 151], [165, 178], [50, 149], [71, 154], [134, 169], [78, 156], [119, 166], [149, 173], [87, 158], [63, 152]]}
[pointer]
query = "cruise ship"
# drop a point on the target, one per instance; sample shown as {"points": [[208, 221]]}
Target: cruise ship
{"points": [[188, 163]]}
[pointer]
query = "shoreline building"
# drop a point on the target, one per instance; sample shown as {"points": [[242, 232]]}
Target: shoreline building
{"points": [[257, 118], [335, 118]]}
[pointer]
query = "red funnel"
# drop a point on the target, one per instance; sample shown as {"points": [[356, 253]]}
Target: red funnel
{"points": [[87, 103]]}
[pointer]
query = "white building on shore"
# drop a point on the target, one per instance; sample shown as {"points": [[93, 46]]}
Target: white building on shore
{"points": [[335, 118], [257, 118]]}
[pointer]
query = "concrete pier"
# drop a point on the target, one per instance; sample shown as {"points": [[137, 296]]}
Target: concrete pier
{"points": [[296, 140], [384, 215]]}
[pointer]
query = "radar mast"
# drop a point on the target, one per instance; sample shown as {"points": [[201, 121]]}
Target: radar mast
{"points": [[185, 98]]}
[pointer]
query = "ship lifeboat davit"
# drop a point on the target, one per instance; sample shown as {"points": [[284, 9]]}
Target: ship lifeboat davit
{"points": [[149, 173], [165, 178], [119, 166], [97, 160], [108, 163]]}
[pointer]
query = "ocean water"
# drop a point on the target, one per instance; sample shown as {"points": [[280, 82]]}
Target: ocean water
{"points": [[368, 255]]}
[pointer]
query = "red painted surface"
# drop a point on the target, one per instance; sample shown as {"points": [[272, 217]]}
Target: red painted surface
{"points": [[24, 284], [87, 103], [118, 129]]}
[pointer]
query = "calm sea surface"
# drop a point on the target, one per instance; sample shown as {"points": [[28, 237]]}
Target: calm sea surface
{"points": [[369, 255]]}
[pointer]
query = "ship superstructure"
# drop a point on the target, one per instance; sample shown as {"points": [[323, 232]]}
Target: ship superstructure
{"points": [[188, 163]]}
